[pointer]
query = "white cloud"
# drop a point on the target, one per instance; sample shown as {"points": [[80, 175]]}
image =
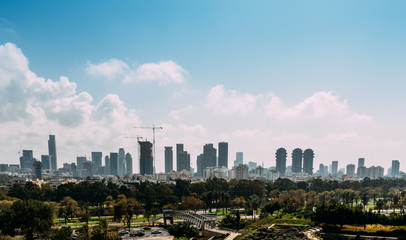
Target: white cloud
{"points": [[228, 102], [33, 107], [164, 72]]}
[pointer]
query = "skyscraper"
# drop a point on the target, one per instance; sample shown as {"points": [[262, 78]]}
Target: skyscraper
{"points": [[107, 165], [351, 170], [223, 154], [27, 161], [129, 164], [79, 162], [184, 161], [199, 165], [238, 158], [361, 162], [281, 161], [121, 162], [146, 161], [179, 149], [114, 163], [308, 156], [52, 152], [37, 169], [297, 156], [168, 159], [46, 162], [395, 168], [97, 162], [334, 168], [209, 156]]}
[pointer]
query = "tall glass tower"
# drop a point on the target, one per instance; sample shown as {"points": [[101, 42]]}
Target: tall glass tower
{"points": [[52, 152]]}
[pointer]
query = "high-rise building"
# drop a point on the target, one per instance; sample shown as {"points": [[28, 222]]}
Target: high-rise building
{"points": [[223, 154], [46, 162], [199, 165], [146, 160], [121, 162], [308, 156], [184, 161], [37, 169], [322, 171], [168, 159], [238, 158], [362, 172], [297, 156], [129, 164], [395, 168], [79, 162], [52, 152], [251, 165], [361, 162], [179, 149], [334, 168], [88, 168], [209, 156], [97, 162], [114, 163], [351, 170], [240, 171], [281, 161], [27, 161], [107, 165]]}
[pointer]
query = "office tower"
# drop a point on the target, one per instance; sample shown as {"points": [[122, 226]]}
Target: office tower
{"points": [[362, 172], [46, 162], [129, 164], [97, 158], [297, 156], [251, 165], [121, 162], [114, 163], [146, 160], [395, 168], [351, 170], [238, 158], [97, 162], [184, 161], [199, 165], [223, 154], [37, 169], [334, 168], [79, 162], [26, 160], [374, 172], [361, 162], [88, 168], [281, 161], [168, 159], [52, 152], [209, 156], [107, 165], [308, 156], [4, 167], [179, 149]]}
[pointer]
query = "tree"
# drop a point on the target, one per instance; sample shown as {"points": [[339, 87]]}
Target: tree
{"points": [[191, 203], [63, 233], [68, 208], [32, 217], [183, 229], [271, 206]]}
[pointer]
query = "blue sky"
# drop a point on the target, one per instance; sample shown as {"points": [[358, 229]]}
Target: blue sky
{"points": [[354, 50]]}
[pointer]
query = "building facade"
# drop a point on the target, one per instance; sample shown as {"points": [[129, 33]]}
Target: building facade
{"points": [[168, 159], [223, 154], [308, 156], [52, 152], [297, 157]]}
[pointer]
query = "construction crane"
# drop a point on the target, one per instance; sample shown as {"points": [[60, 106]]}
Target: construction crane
{"points": [[153, 141]]}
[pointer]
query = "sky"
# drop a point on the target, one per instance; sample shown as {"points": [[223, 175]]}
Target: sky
{"points": [[260, 75]]}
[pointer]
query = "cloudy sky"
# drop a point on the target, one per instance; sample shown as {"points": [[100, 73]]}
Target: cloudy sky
{"points": [[326, 75]]}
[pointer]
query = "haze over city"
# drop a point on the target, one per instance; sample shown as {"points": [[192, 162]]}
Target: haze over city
{"points": [[322, 75]]}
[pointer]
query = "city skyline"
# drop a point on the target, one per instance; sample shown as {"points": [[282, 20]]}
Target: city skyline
{"points": [[326, 76]]}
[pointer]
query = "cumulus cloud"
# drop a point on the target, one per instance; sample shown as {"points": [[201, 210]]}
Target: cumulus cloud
{"points": [[32, 106], [164, 72]]}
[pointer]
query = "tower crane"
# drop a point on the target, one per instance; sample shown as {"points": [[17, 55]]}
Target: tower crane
{"points": [[153, 141]]}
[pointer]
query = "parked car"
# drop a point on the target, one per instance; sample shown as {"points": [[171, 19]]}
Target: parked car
{"points": [[146, 228], [155, 232], [123, 232]]}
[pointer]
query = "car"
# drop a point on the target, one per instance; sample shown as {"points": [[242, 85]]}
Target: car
{"points": [[137, 234], [146, 228], [123, 232], [155, 232]]}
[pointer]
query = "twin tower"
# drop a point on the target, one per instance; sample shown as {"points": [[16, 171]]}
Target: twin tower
{"points": [[298, 157]]}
